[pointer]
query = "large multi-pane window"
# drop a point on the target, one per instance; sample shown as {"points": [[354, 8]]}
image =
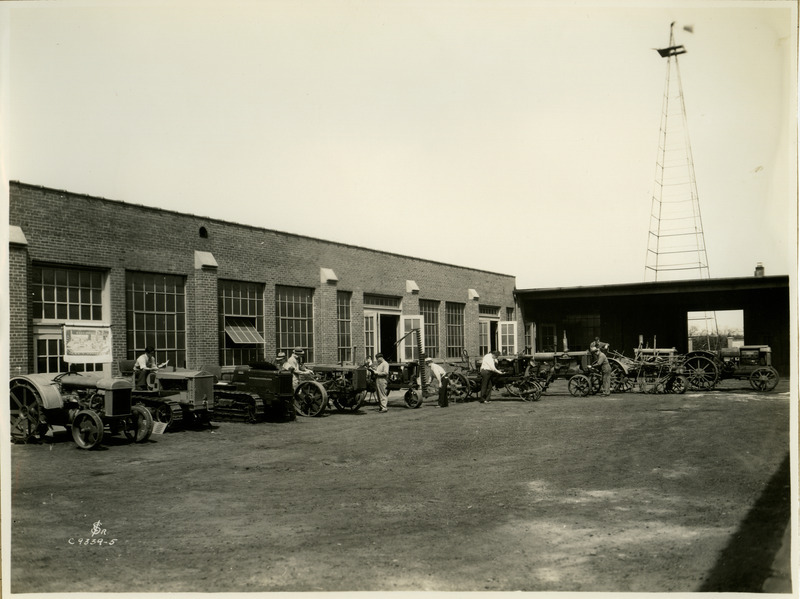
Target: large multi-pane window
{"points": [[156, 315], [294, 319], [430, 314], [241, 322], [454, 333], [343, 329], [67, 294], [63, 295]]}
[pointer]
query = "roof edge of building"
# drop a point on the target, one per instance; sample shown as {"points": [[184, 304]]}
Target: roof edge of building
{"points": [[245, 226]]}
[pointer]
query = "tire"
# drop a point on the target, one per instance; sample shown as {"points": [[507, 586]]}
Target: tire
{"points": [[458, 388], [356, 401], [413, 398], [87, 429], [139, 426], [701, 372], [764, 379], [579, 385], [310, 399], [164, 413]]}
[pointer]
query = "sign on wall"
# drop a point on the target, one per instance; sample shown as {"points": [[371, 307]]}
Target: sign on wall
{"points": [[87, 344]]}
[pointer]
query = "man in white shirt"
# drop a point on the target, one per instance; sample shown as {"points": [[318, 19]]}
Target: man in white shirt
{"points": [[488, 371], [144, 367], [438, 374], [294, 366]]}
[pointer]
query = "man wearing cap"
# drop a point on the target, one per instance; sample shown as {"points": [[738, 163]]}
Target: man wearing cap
{"points": [[381, 374], [294, 366], [601, 361], [440, 375]]}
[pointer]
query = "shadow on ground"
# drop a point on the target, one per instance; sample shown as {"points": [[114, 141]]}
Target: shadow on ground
{"points": [[746, 563]]}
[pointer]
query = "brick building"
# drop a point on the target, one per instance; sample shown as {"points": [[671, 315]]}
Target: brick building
{"points": [[206, 291]]}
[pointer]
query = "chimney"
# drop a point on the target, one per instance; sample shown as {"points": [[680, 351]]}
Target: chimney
{"points": [[759, 270]]}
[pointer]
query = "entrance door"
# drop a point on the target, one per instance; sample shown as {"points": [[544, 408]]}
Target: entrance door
{"points": [[487, 336], [380, 334]]}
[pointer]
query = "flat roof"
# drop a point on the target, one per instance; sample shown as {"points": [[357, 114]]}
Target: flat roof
{"points": [[658, 288]]}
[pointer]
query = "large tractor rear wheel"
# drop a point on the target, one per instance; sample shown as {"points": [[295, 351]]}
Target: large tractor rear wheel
{"points": [[87, 429], [701, 372], [310, 398], [27, 423]]}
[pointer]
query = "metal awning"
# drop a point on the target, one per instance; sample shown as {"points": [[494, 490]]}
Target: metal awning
{"points": [[241, 330]]}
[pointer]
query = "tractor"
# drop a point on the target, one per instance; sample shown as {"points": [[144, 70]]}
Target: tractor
{"points": [[705, 369], [89, 405]]}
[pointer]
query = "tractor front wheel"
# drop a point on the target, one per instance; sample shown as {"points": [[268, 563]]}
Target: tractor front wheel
{"points": [[87, 429], [310, 398], [764, 379], [579, 385]]}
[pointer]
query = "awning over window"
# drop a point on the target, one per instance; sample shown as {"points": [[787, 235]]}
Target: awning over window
{"points": [[241, 330]]}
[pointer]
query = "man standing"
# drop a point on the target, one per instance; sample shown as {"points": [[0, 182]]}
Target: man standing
{"points": [[488, 371], [381, 373], [601, 361]]}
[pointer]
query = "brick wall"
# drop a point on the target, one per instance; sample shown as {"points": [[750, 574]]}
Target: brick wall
{"points": [[20, 337], [82, 231]]}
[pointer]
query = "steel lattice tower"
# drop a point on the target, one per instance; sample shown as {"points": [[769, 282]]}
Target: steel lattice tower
{"points": [[675, 244], [676, 247]]}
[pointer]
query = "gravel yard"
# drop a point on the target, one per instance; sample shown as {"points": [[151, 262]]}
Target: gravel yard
{"points": [[644, 493]]}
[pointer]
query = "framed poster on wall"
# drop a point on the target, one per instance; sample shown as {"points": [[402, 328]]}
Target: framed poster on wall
{"points": [[86, 344]]}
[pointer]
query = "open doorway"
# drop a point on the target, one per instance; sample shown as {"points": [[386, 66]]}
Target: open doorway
{"points": [[713, 330], [387, 327]]}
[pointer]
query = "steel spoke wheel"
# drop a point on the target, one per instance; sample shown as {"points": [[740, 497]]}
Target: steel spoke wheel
{"points": [[139, 425], [701, 372], [764, 379], [620, 383], [27, 424], [310, 398], [457, 387], [596, 380], [87, 429], [579, 385], [167, 414], [530, 390], [677, 385]]}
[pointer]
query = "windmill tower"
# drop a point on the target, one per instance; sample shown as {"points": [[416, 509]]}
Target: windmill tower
{"points": [[676, 248]]}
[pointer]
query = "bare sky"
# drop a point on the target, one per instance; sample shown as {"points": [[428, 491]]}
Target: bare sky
{"points": [[513, 136]]}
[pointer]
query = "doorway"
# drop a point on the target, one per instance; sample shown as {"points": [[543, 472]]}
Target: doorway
{"points": [[387, 335], [715, 329]]}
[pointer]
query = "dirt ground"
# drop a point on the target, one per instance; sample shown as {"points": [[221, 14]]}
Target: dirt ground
{"points": [[638, 493]]}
